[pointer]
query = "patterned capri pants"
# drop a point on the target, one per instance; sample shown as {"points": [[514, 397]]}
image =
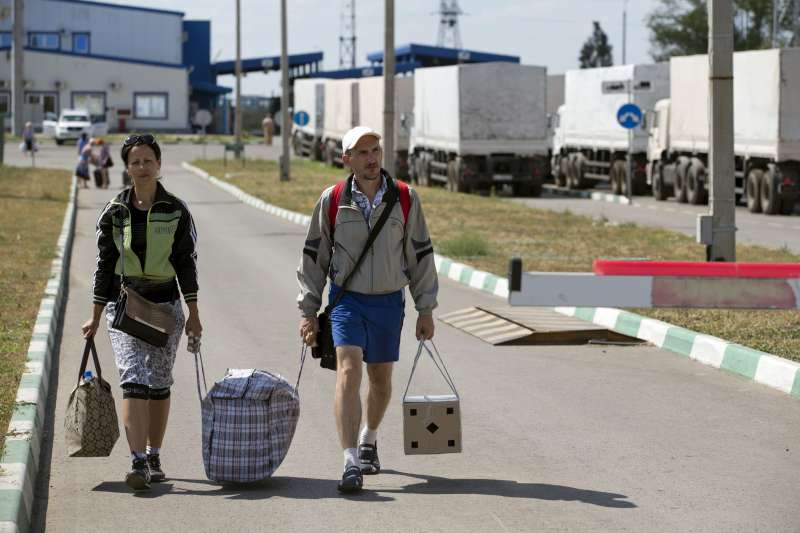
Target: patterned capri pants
{"points": [[140, 362]]}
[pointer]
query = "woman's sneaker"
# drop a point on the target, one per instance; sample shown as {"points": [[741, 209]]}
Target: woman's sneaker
{"points": [[139, 476], [154, 464], [368, 457]]}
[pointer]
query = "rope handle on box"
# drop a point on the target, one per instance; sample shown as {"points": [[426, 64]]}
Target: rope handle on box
{"points": [[442, 369]]}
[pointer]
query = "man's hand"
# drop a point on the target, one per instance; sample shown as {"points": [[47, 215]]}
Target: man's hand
{"points": [[309, 326], [425, 327]]}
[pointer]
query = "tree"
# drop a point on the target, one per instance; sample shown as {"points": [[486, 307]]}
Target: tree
{"points": [[680, 27], [596, 52]]}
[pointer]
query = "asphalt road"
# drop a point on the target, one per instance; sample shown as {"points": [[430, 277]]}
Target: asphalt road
{"points": [[586, 438], [776, 231]]}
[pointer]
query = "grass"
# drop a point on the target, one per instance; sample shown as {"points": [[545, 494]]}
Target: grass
{"points": [[487, 231], [32, 203]]}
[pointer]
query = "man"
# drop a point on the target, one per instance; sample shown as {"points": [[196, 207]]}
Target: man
{"points": [[368, 319], [268, 127]]}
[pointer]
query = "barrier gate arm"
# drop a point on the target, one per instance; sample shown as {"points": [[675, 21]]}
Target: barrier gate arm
{"points": [[650, 284]]}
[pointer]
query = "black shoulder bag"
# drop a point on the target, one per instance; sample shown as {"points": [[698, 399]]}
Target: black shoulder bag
{"points": [[325, 351]]}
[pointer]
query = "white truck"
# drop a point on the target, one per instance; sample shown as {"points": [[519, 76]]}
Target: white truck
{"points": [[766, 131], [340, 115], [309, 97], [589, 145], [370, 113], [71, 124], [480, 126]]}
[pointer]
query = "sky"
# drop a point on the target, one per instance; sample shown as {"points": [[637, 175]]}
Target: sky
{"points": [[541, 32]]}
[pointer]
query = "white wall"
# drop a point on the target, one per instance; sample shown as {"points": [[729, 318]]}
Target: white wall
{"points": [[76, 73], [115, 31]]}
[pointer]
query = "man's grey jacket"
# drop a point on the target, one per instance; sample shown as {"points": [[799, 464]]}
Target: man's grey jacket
{"points": [[399, 256]]}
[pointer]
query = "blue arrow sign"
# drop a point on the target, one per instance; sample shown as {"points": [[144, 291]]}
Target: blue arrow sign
{"points": [[629, 116], [301, 118]]}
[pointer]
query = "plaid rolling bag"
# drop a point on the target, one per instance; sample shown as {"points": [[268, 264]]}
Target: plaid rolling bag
{"points": [[249, 418]]}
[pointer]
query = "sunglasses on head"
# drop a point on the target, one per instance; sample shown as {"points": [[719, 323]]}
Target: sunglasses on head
{"points": [[139, 139]]}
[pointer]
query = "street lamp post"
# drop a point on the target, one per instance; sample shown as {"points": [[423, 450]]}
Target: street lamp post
{"points": [[286, 119], [388, 88]]}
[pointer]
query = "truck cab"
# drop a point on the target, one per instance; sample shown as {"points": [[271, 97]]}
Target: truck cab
{"points": [[658, 143]]}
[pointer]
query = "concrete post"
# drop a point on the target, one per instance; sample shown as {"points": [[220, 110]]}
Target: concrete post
{"points": [[388, 89], [18, 69], [722, 199], [286, 119], [237, 125]]}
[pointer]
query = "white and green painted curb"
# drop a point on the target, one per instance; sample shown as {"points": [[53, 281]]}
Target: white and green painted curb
{"points": [[761, 367], [591, 195], [19, 464]]}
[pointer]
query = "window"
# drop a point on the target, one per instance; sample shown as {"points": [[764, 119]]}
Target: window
{"points": [[6, 39], [94, 103], [44, 40], [5, 102], [81, 43], [47, 102], [150, 105]]}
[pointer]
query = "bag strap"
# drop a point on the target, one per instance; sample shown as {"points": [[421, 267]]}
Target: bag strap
{"points": [[198, 368], [405, 199], [85, 359], [442, 368], [333, 207], [303, 350], [373, 234]]}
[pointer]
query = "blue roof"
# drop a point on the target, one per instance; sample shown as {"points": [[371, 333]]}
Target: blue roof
{"points": [[419, 52], [260, 64], [207, 87], [366, 72], [122, 6]]}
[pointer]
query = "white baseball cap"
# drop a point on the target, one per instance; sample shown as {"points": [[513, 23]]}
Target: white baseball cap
{"points": [[352, 137]]}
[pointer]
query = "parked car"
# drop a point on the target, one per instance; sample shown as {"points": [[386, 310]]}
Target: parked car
{"points": [[71, 123]]}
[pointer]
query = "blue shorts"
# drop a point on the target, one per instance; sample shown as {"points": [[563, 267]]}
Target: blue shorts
{"points": [[371, 321]]}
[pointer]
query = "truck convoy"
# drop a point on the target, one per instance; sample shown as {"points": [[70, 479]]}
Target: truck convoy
{"points": [[588, 143], [766, 131], [478, 126]]}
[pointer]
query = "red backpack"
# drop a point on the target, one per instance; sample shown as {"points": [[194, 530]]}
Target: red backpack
{"points": [[336, 194]]}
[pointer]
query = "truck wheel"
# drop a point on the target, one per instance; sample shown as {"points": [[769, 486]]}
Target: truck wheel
{"points": [[660, 190], [695, 183], [575, 179], [329, 151], [423, 169], [770, 199], [754, 178], [788, 201], [618, 177], [562, 169], [681, 169], [296, 145], [59, 141], [455, 183]]}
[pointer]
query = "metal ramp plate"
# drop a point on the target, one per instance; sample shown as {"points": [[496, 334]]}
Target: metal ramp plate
{"points": [[515, 326]]}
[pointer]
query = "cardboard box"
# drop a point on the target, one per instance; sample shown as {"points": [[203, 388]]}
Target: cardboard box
{"points": [[431, 424]]}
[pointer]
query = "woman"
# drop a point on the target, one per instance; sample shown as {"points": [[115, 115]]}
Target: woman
{"points": [[104, 161], [156, 250], [82, 169]]}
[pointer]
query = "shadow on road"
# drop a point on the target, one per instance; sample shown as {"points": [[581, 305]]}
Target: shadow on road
{"points": [[509, 489], [315, 489]]}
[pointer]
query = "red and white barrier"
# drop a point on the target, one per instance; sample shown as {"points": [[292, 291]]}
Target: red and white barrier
{"points": [[647, 284]]}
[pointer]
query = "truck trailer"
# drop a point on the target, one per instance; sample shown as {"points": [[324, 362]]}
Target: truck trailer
{"points": [[479, 126], [341, 114], [589, 145], [766, 131], [309, 97], [370, 113]]}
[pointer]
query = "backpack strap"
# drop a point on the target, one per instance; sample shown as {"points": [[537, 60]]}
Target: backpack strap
{"points": [[405, 199], [333, 207]]}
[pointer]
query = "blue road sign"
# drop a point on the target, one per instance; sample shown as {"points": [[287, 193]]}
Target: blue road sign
{"points": [[301, 118], [629, 116]]}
